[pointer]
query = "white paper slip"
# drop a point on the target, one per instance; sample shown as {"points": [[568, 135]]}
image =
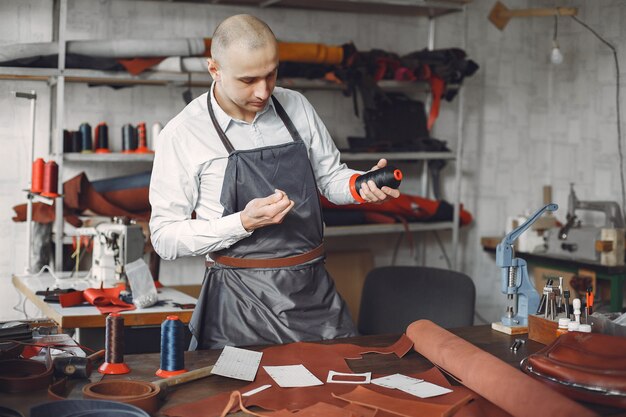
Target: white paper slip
{"points": [[237, 363], [256, 390], [292, 376], [425, 390], [395, 381]]}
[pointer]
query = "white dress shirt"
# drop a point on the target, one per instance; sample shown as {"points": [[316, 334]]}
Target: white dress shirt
{"points": [[190, 163]]}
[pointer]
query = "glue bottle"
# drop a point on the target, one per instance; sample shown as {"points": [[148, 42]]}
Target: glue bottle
{"points": [[576, 305]]}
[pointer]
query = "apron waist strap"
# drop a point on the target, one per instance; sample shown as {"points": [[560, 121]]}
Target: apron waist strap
{"points": [[268, 263]]}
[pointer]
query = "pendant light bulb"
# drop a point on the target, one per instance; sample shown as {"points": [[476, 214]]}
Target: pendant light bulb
{"points": [[556, 57]]}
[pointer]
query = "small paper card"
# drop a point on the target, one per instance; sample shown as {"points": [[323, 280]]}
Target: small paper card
{"points": [[395, 381], [425, 390], [292, 376], [237, 363]]}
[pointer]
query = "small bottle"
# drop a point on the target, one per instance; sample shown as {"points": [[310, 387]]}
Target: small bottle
{"points": [[585, 328], [563, 326], [576, 304]]}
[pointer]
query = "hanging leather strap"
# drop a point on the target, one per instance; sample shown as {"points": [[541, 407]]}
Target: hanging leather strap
{"points": [[268, 262]]}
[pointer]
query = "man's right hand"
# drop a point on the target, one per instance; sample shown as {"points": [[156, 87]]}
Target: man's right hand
{"points": [[265, 211]]}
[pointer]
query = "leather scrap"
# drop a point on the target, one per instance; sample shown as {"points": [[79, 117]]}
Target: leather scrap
{"points": [[104, 299], [319, 359], [397, 406], [490, 377]]}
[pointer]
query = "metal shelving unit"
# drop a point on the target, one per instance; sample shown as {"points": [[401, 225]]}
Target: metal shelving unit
{"points": [[57, 77]]}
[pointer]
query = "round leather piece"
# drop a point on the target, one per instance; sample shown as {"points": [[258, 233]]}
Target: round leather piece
{"points": [[20, 375], [9, 412], [138, 393], [86, 408]]}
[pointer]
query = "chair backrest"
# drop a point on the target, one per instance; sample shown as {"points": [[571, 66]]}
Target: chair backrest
{"points": [[394, 297]]}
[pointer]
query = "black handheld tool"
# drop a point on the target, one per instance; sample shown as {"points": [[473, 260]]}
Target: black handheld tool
{"points": [[542, 301], [388, 176]]}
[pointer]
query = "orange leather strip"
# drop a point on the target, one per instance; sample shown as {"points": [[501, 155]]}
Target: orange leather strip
{"points": [[270, 262]]}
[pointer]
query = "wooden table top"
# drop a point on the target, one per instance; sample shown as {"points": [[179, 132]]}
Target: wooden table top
{"points": [[143, 367]]}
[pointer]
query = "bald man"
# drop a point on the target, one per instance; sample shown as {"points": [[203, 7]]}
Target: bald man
{"points": [[249, 158]]}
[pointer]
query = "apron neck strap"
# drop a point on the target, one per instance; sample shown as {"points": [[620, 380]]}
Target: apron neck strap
{"points": [[279, 109], [286, 120]]}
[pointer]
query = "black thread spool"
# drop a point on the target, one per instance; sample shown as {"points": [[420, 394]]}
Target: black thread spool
{"points": [[129, 138], [87, 141], [114, 345], [172, 348], [388, 176], [67, 141], [50, 179], [102, 138], [77, 141]]}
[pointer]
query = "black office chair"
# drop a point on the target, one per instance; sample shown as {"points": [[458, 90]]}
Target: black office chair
{"points": [[394, 297]]}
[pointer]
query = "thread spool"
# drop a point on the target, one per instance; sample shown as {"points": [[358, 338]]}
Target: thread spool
{"points": [[87, 142], [172, 348], [67, 141], [388, 176], [36, 185], [50, 179], [142, 139], [77, 141], [129, 139], [156, 130], [114, 345], [102, 138]]}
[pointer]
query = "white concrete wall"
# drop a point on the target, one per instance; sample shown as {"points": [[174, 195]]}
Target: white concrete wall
{"points": [[527, 123]]}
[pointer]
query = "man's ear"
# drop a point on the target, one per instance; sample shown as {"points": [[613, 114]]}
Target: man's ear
{"points": [[213, 69]]}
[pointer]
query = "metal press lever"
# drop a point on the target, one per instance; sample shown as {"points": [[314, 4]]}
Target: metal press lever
{"points": [[515, 282]]}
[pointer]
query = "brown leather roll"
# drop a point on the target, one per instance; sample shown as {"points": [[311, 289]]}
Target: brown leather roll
{"points": [[21, 375]]}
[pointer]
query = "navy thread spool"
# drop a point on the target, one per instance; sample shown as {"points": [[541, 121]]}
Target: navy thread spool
{"points": [[87, 142], [388, 176], [172, 348], [77, 141], [129, 138], [102, 138], [114, 344]]}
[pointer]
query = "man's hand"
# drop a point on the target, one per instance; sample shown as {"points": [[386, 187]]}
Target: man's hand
{"points": [[265, 211], [372, 194]]}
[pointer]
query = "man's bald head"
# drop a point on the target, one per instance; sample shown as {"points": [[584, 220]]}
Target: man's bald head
{"points": [[243, 31]]}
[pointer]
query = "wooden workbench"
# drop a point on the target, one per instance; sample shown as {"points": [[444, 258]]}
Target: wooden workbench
{"points": [[88, 316], [144, 366]]}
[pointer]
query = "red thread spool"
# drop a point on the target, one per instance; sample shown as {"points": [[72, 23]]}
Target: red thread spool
{"points": [[143, 141], [50, 179], [37, 176]]}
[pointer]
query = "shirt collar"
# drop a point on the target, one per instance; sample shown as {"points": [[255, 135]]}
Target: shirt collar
{"points": [[224, 120]]}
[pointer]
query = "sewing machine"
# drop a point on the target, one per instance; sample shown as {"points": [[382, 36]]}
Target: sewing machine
{"points": [[115, 245], [520, 292], [582, 242]]}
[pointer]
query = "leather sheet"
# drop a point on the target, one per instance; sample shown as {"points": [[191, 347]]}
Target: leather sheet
{"points": [[488, 376], [107, 300], [586, 366], [319, 359]]}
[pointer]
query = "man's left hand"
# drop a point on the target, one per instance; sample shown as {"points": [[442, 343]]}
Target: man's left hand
{"points": [[372, 194]]}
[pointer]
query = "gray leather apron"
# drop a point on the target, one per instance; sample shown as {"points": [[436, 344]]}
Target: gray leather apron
{"points": [[253, 306]]}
